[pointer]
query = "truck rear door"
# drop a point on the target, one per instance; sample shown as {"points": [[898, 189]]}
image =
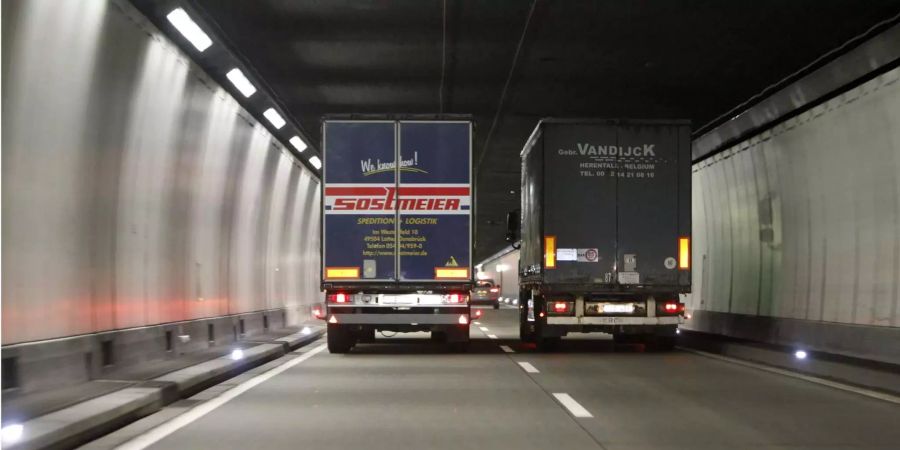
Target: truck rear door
{"points": [[397, 181]]}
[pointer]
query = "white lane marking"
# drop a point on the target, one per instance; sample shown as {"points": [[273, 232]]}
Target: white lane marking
{"points": [[800, 376], [483, 328], [492, 336], [477, 322], [574, 407], [526, 366], [507, 349], [151, 437]]}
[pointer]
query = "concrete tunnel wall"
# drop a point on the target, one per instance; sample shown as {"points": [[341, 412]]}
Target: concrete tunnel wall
{"points": [[796, 230], [136, 191]]}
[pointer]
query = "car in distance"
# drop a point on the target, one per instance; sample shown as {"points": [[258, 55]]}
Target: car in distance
{"points": [[486, 292]]}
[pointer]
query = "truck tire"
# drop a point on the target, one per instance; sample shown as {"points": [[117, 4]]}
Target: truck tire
{"points": [[366, 335], [439, 336], [497, 304], [526, 334], [548, 344], [625, 339], [660, 343], [339, 339]]}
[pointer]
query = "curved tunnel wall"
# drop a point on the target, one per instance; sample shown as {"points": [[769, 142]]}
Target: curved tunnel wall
{"points": [[136, 191], [802, 222], [796, 231]]}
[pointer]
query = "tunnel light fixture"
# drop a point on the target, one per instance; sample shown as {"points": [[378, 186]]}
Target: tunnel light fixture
{"points": [[298, 143], [189, 29], [274, 118], [241, 82], [800, 354], [237, 354], [315, 161], [12, 433]]}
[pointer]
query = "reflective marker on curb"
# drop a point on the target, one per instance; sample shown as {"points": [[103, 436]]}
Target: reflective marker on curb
{"points": [[507, 349], [574, 407], [526, 366]]}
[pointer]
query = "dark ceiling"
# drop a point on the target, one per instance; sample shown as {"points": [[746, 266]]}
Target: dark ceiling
{"points": [[625, 58]]}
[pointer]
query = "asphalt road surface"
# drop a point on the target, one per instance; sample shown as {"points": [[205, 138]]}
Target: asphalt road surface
{"points": [[406, 392]]}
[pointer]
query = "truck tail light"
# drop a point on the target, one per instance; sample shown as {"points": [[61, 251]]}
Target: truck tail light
{"points": [[549, 252], [495, 290], [456, 299], [560, 307], [684, 253], [671, 307], [340, 297]]}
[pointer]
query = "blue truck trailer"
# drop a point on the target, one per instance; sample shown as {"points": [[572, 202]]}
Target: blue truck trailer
{"points": [[397, 228]]}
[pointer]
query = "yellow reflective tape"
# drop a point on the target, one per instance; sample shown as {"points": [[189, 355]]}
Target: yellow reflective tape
{"points": [[684, 253], [342, 272]]}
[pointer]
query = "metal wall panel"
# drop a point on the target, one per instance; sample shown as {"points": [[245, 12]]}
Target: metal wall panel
{"points": [[804, 219], [135, 190]]}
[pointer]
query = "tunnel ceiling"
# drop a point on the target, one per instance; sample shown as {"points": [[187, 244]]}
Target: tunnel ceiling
{"points": [[647, 59]]}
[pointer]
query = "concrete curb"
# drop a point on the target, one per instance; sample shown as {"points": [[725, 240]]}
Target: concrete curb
{"points": [[817, 364], [77, 424]]}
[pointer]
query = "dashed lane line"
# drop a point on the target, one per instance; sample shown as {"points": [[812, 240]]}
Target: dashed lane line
{"points": [[507, 349], [526, 366], [492, 336], [574, 407]]}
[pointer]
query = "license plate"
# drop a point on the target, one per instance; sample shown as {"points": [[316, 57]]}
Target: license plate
{"points": [[398, 300]]}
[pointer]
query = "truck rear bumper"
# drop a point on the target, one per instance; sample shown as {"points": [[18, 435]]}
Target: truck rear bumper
{"points": [[398, 319], [671, 320]]}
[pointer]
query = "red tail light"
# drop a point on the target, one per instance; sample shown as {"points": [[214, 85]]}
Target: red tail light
{"points": [[560, 307], [671, 307], [340, 297], [477, 313], [456, 299], [317, 313]]}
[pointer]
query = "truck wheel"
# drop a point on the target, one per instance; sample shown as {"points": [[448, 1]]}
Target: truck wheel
{"points": [[661, 343], [339, 339], [548, 344], [623, 338], [439, 336], [497, 304], [526, 333], [366, 335]]}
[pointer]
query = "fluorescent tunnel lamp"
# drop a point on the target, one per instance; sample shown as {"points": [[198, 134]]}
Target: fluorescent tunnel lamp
{"points": [[241, 82], [189, 29], [298, 143], [316, 162], [274, 118]]}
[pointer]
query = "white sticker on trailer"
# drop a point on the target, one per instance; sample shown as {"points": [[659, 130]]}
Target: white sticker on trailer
{"points": [[629, 278], [566, 254]]}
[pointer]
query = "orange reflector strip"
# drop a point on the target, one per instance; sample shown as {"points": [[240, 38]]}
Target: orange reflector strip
{"points": [[549, 252], [342, 272], [684, 253], [460, 273]]}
